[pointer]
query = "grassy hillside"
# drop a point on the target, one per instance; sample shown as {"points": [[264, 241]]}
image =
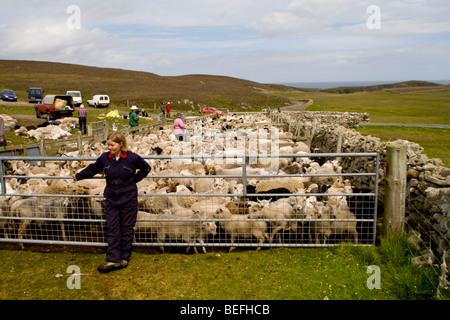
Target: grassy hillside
{"points": [[394, 86], [141, 88]]}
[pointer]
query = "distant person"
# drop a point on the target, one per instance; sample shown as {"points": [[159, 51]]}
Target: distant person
{"points": [[168, 109], [82, 116], [123, 169], [144, 113], [179, 127], [133, 118], [163, 109], [2, 132]]}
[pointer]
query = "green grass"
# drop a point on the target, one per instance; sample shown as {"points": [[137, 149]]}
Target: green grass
{"points": [[434, 141], [383, 106], [416, 107], [338, 273]]}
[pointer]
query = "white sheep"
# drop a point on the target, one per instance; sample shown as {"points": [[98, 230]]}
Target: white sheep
{"points": [[189, 231], [39, 208], [242, 227]]}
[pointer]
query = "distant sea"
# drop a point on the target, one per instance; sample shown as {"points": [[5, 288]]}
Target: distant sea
{"points": [[328, 85]]}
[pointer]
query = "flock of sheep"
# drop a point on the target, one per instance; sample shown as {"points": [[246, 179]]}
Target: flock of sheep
{"points": [[175, 204]]}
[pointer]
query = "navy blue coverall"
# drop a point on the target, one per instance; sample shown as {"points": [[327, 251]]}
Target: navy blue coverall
{"points": [[121, 194]]}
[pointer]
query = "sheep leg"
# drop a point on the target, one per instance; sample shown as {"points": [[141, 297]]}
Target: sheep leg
{"points": [[232, 241], [274, 232], [203, 248], [22, 229], [195, 250], [63, 231], [317, 238], [355, 235], [261, 239]]}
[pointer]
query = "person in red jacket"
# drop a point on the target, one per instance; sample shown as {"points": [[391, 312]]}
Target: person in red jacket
{"points": [[123, 169], [168, 109]]}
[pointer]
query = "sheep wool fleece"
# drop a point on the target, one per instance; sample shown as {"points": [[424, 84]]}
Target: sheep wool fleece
{"points": [[121, 196]]}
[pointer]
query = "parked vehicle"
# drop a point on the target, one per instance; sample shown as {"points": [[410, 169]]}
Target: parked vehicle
{"points": [[212, 110], [77, 97], [99, 100], [35, 94], [8, 95], [55, 106]]}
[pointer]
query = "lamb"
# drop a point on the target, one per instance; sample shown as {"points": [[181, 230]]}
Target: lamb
{"points": [[327, 226], [280, 209], [39, 208], [321, 227], [326, 169], [191, 230], [243, 228], [143, 225], [309, 212], [181, 211], [209, 207], [237, 207]]}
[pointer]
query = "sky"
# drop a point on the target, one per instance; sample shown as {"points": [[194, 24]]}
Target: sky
{"points": [[267, 41]]}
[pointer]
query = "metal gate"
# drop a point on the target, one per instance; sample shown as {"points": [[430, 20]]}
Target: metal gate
{"points": [[247, 208]]}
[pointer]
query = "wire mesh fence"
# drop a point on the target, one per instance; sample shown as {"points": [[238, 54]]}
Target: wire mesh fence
{"points": [[243, 209]]}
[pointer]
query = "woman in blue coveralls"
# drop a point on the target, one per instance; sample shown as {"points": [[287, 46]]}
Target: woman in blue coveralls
{"points": [[119, 166]]}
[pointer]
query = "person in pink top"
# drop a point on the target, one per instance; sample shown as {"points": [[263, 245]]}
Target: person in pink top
{"points": [[179, 127]]}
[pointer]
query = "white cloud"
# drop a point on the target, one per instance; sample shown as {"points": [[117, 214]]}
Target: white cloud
{"points": [[288, 40]]}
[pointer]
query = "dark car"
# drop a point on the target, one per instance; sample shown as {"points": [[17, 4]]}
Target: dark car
{"points": [[35, 94], [212, 110], [9, 95]]}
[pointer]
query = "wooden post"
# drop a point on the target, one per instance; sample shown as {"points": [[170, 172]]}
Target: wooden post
{"points": [[105, 129], [90, 131], [42, 150], [395, 190], [80, 144]]}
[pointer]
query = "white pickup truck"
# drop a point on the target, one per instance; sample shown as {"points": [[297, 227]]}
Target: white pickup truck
{"points": [[77, 97]]}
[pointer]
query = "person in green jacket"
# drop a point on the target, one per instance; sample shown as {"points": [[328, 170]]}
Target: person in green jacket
{"points": [[133, 118]]}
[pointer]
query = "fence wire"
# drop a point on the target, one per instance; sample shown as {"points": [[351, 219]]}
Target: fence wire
{"points": [[230, 213]]}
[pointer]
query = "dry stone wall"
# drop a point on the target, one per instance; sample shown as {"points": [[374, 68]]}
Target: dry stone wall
{"points": [[428, 181]]}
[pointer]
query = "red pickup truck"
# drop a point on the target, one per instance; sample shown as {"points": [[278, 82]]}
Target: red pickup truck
{"points": [[55, 106]]}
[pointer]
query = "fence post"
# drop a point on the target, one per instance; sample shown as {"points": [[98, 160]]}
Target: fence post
{"points": [[80, 143], [105, 129], [42, 150], [395, 190], [90, 130]]}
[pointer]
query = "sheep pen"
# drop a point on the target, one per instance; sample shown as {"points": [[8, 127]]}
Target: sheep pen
{"points": [[244, 187]]}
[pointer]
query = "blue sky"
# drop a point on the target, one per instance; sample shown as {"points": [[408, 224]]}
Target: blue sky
{"points": [[261, 40]]}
